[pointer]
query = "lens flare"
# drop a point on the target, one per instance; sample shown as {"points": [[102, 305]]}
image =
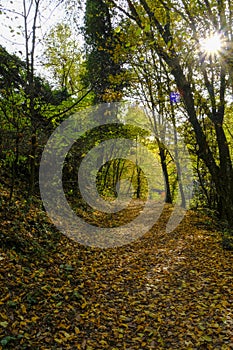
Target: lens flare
{"points": [[211, 45]]}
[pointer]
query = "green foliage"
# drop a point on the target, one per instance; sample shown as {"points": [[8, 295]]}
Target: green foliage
{"points": [[62, 57], [112, 171], [11, 68], [105, 70], [15, 118], [227, 239]]}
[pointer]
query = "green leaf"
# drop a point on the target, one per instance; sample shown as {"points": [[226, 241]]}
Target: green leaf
{"points": [[4, 324], [6, 340], [118, 29], [147, 28], [207, 338]]}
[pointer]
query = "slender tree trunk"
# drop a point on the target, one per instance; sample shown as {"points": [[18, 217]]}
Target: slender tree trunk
{"points": [[162, 154], [30, 86]]}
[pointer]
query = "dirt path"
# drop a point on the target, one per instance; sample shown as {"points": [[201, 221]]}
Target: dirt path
{"points": [[163, 291]]}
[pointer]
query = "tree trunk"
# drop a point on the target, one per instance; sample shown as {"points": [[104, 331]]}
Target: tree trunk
{"points": [[162, 154], [32, 164]]}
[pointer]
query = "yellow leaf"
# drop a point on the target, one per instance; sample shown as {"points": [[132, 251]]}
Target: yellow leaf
{"points": [[4, 324], [5, 317], [27, 336], [77, 331], [84, 305], [23, 308], [59, 341], [62, 325], [66, 335]]}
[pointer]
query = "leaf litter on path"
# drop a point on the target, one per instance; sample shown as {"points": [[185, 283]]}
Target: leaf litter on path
{"points": [[163, 291]]}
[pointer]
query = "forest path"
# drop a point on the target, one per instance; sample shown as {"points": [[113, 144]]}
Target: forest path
{"points": [[162, 291]]}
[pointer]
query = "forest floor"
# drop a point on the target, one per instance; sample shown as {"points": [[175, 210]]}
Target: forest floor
{"points": [[162, 291]]}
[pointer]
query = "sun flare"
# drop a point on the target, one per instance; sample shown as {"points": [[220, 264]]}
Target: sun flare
{"points": [[211, 45]]}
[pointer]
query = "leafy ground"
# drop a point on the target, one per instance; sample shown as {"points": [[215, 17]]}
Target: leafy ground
{"points": [[164, 291]]}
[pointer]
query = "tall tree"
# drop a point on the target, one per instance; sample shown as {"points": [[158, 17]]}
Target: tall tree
{"points": [[104, 68], [62, 57]]}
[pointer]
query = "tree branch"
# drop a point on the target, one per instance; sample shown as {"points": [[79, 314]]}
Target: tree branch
{"points": [[71, 107]]}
